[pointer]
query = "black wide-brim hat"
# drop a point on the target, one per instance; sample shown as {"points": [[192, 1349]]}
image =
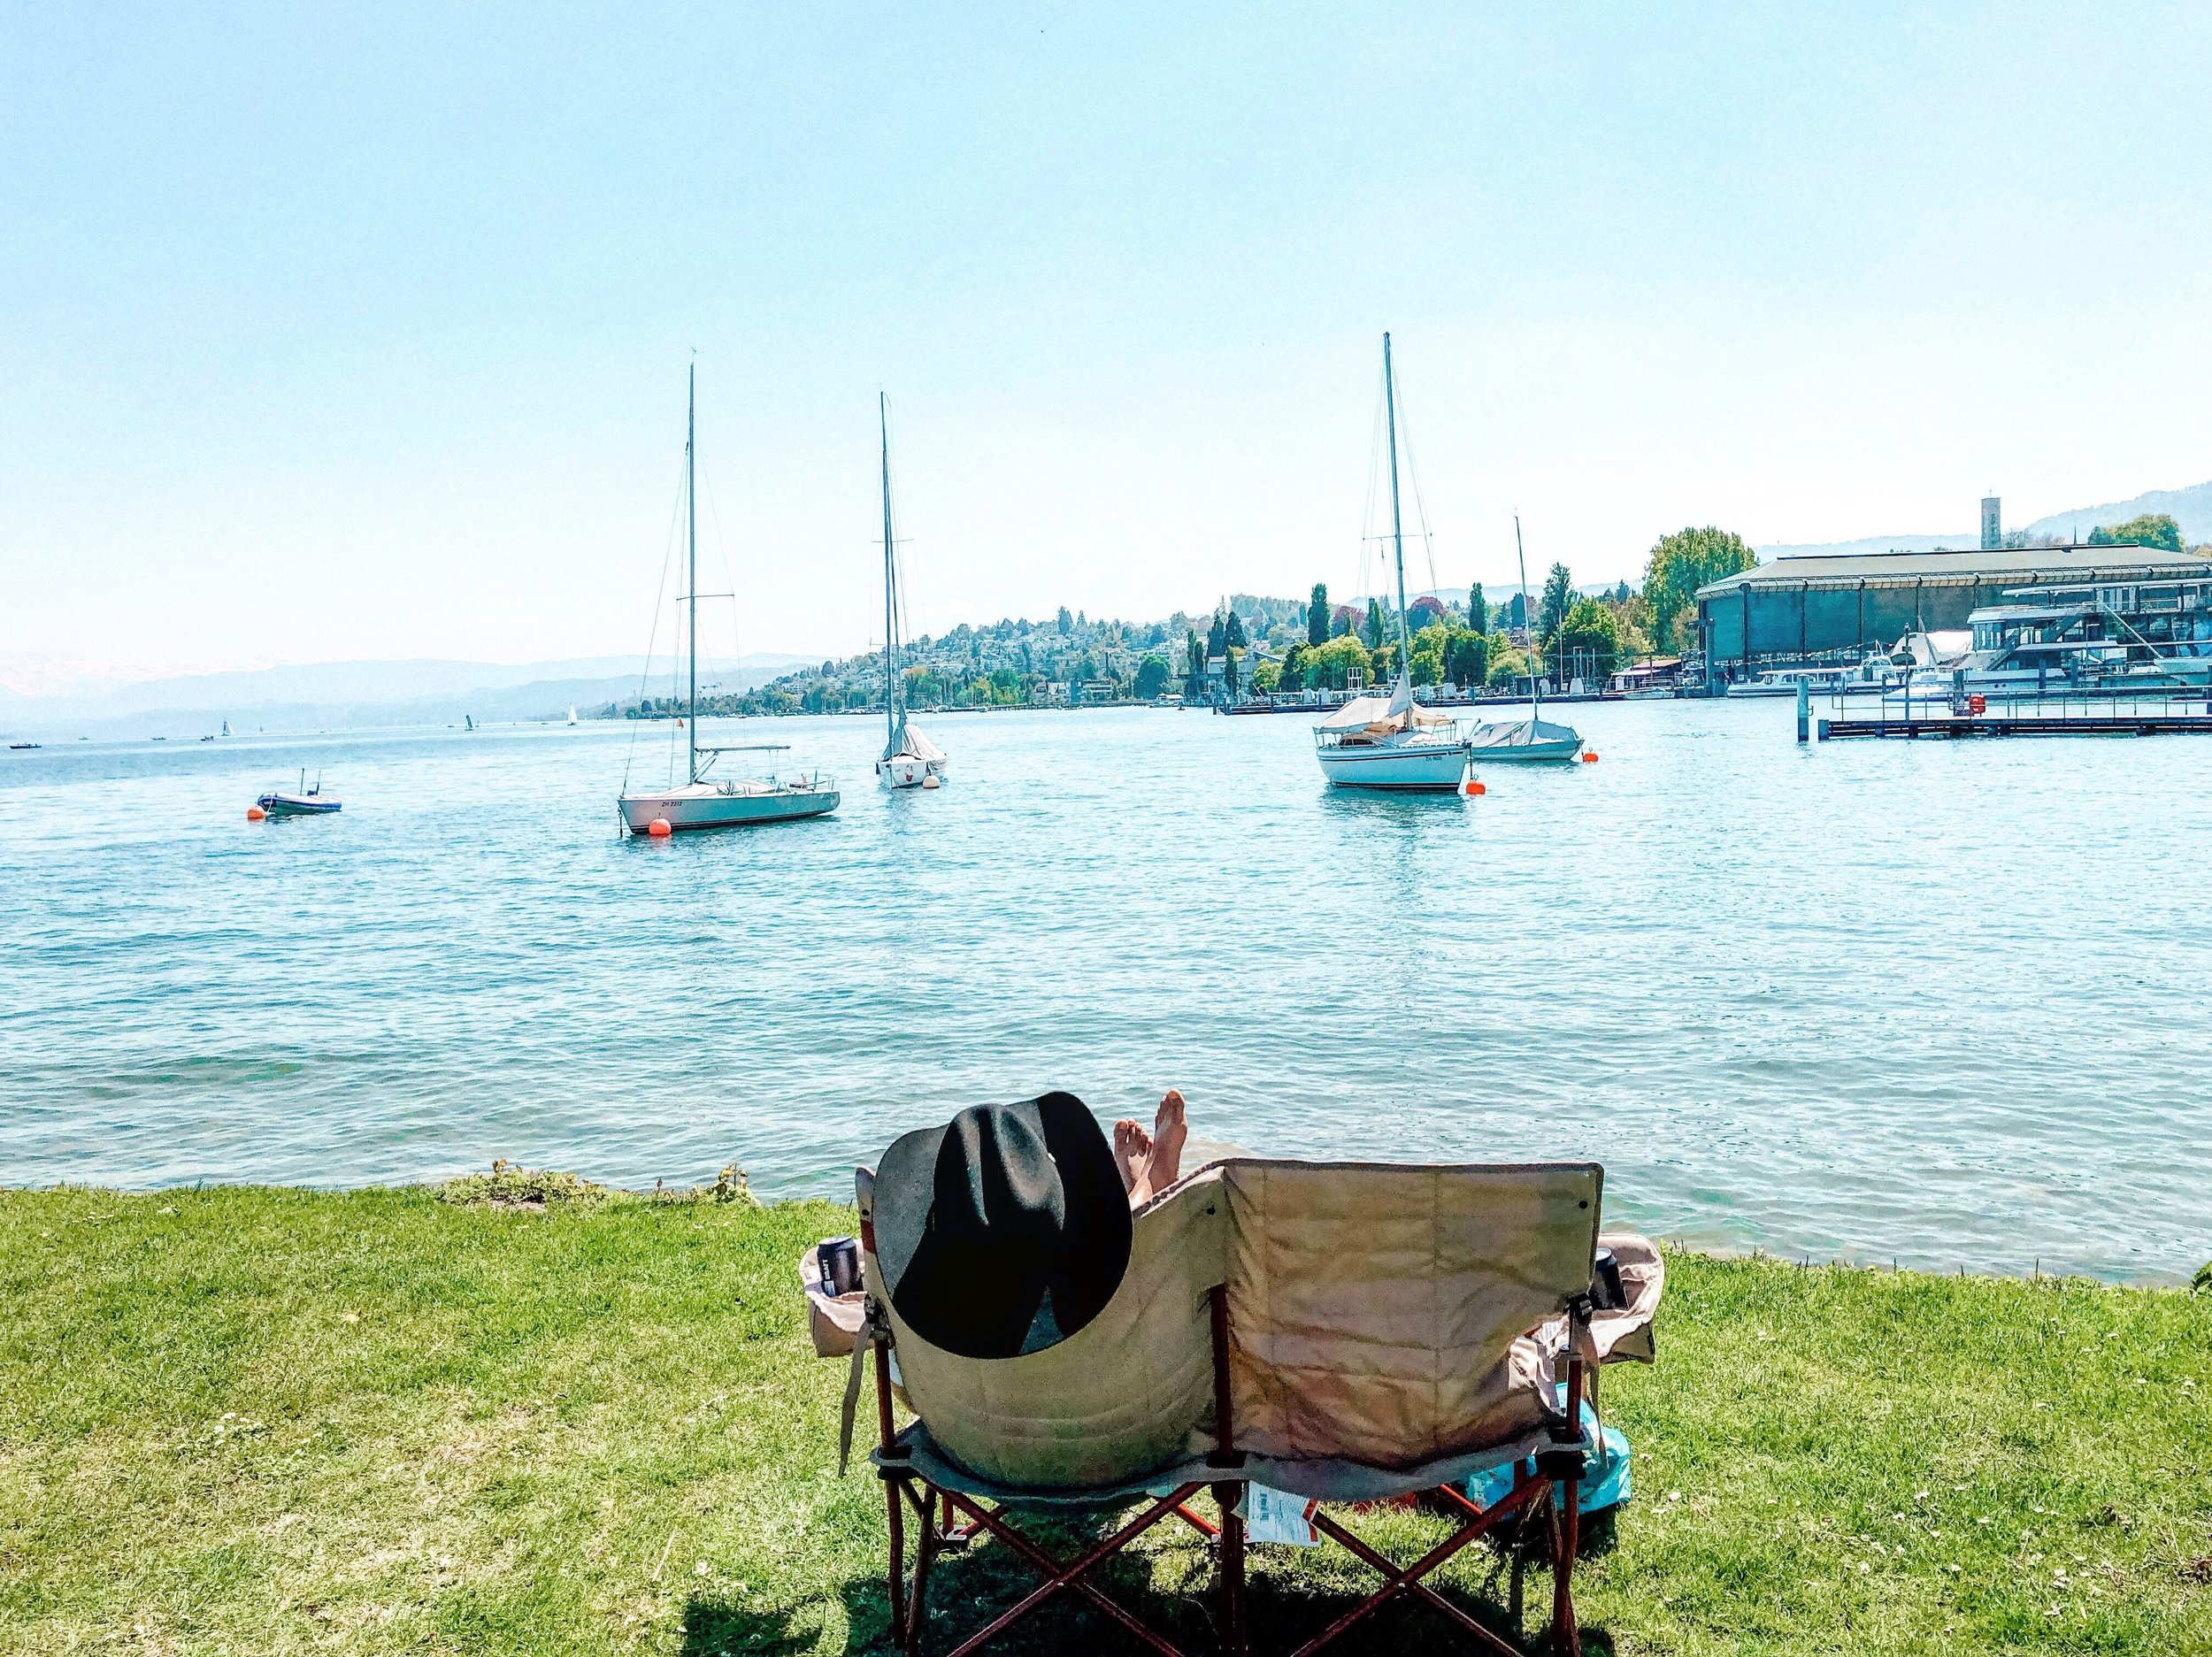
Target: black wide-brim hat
{"points": [[1005, 1230]]}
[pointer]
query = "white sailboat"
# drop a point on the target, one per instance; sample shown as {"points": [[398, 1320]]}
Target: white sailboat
{"points": [[1393, 742], [1520, 741], [910, 760], [702, 802]]}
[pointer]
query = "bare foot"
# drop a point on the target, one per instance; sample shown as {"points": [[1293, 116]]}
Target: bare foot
{"points": [[1132, 1149], [1164, 1166]]}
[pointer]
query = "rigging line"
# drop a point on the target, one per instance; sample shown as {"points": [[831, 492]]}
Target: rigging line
{"points": [[1413, 475], [652, 642]]}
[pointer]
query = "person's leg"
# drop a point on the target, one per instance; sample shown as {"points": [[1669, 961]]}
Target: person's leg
{"points": [[1162, 1164], [1132, 1149]]}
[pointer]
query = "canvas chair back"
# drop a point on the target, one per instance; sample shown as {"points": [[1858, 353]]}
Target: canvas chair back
{"points": [[1377, 1316]]}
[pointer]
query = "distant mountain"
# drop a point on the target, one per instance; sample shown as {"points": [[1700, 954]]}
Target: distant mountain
{"points": [[342, 695], [2190, 507]]}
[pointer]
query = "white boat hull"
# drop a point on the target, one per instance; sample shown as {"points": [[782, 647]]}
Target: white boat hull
{"points": [[904, 771], [1414, 767], [738, 805]]}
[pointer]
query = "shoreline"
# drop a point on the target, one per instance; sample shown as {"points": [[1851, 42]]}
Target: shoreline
{"points": [[1675, 1242]]}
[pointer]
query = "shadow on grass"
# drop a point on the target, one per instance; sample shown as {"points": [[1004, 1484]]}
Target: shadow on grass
{"points": [[1170, 1588]]}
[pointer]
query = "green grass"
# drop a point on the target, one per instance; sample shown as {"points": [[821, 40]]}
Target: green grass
{"points": [[274, 1420]]}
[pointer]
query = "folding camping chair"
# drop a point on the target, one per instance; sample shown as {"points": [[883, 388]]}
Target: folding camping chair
{"points": [[1344, 1332]]}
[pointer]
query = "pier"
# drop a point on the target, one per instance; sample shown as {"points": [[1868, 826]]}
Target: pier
{"points": [[1940, 720]]}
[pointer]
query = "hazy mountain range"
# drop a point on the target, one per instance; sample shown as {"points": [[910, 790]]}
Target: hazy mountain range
{"points": [[2190, 507], [341, 696]]}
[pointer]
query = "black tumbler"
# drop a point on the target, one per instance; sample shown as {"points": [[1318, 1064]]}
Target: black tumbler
{"points": [[840, 1264]]}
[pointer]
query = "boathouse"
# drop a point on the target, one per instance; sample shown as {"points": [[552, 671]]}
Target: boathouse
{"points": [[1836, 607]]}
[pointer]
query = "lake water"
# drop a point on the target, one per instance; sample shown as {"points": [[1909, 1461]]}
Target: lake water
{"points": [[1947, 1003]]}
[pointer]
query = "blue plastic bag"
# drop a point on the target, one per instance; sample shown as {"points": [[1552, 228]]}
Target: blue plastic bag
{"points": [[1605, 1481]]}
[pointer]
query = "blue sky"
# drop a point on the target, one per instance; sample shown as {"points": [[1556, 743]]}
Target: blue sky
{"points": [[358, 333]]}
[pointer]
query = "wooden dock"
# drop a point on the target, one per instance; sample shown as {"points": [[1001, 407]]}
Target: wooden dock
{"points": [[1947, 726]]}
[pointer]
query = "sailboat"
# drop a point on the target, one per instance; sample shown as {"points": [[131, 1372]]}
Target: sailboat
{"points": [[572, 713], [1522, 740], [702, 802], [1372, 742], [910, 760]]}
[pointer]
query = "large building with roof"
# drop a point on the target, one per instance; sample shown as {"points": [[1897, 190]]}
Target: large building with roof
{"points": [[1836, 607]]}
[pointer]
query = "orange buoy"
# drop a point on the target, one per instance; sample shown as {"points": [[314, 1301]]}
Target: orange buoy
{"points": [[1588, 757], [1474, 788], [255, 814], [658, 828]]}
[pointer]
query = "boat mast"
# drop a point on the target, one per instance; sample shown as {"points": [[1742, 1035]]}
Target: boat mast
{"points": [[1535, 650], [1397, 533], [890, 582], [691, 505]]}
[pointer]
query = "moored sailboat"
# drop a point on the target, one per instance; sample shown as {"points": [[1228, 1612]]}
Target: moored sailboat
{"points": [[701, 802], [1393, 742], [909, 760], [1520, 741]]}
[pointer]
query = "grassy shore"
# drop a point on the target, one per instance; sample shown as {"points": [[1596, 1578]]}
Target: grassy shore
{"points": [[273, 1420]]}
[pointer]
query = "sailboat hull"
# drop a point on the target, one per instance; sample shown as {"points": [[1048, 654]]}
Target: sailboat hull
{"points": [[744, 805], [904, 771], [1412, 768]]}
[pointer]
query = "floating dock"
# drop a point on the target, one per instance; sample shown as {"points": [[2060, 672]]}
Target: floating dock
{"points": [[1940, 724]]}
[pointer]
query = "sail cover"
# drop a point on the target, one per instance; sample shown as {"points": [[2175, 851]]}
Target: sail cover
{"points": [[1524, 733], [1379, 718], [913, 745]]}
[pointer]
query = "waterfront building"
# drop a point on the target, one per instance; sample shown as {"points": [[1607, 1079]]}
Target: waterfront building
{"points": [[1837, 607]]}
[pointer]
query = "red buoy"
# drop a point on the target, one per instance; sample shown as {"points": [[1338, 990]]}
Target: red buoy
{"points": [[1589, 758], [658, 828], [1474, 787], [255, 814]]}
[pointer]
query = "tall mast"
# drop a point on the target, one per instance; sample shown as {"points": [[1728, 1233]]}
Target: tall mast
{"points": [[1535, 650], [691, 506], [890, 582], [1397, 533]]}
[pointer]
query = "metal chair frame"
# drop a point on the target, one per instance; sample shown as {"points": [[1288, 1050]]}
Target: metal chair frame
{"points": [[947, 1518]]}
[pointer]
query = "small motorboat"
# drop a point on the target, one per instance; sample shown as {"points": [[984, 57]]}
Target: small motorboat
{"points": [[307, 802]]}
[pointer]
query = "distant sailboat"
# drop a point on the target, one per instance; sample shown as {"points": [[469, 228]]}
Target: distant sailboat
{"points": [[572, 713], [1395, 744], [910, 760], [700, 802], [1524, 741]]}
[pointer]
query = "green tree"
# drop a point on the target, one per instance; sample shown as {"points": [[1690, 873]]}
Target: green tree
{"points": [[1231, 659], [1266, 677], [1559, 597], [1317, 615], [1217, 636], [1588, 640], [1329, 668], [1679, 564], [1507, 663], [1067, 622], [1152, 678], [2152, 529], [1195, 663], [1374, 623], [1232, 632], [1431, 648], [1478, 611], [1468, 662], [1292, 674]]}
